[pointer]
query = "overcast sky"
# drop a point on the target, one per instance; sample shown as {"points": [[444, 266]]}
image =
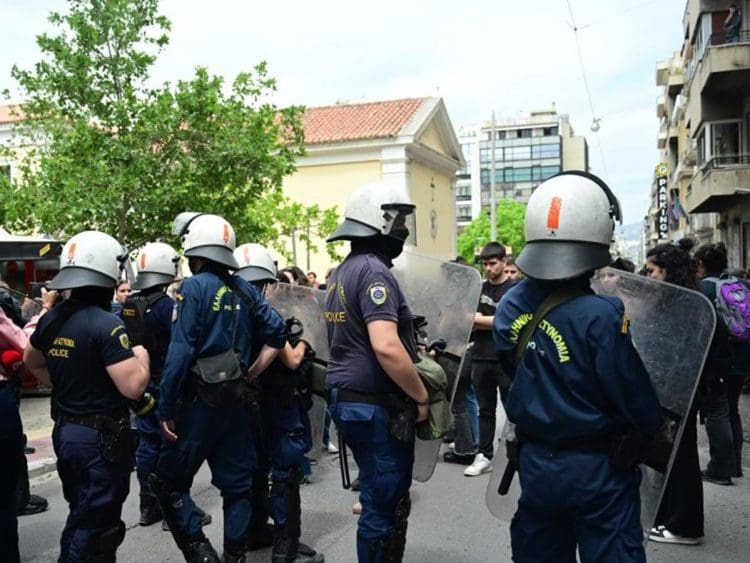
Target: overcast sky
{"points": [[507, 56]]}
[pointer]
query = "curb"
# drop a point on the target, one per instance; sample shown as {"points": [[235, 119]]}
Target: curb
{"points": [[41, 466]]}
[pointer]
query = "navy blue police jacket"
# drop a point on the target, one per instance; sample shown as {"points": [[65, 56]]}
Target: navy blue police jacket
{"points": [[202, 326], [580, 376], [87, 342], [362, 289]]}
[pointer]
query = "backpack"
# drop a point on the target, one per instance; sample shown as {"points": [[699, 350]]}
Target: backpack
{"points": [[732, 301], [133, 315]]}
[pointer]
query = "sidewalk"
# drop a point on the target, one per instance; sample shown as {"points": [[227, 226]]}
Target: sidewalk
{"points": [[37, 424]]}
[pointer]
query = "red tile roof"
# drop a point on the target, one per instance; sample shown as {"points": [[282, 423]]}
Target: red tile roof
{"points": [[350, 122], [10, 114]]}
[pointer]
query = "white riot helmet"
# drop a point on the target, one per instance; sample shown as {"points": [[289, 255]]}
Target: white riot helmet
{"points": [[569, 224], [206, 236], [256, 264], [156, 264], [90, 258], [373, 209]]}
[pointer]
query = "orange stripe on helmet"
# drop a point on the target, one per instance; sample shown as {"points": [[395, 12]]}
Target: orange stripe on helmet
{"points": [[226, 232], [143, 261], [72, 252], [553, 215], [247, 254]]}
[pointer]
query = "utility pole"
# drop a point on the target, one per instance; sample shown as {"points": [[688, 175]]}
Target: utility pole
{"points": [[493, 203]]}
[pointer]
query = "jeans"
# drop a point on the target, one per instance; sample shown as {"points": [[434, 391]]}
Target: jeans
{"points": [[465, 413], [719, 431], [472, 408], [486, 377]]}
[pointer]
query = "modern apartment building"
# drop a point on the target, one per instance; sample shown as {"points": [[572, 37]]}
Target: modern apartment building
{"points": [[704, 132], [527, 151]]}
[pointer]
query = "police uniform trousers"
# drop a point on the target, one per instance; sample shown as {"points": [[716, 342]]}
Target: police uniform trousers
{"points": [[94, 487], [11, 448], [222, 437], [288, 438], [147, 454], [385, 467], [570, 499]]}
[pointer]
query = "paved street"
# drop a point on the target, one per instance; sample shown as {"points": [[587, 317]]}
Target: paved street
{"points": [[449, 520]]}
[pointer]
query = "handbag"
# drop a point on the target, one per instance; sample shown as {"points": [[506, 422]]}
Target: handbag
{"points": [[218, 378]]}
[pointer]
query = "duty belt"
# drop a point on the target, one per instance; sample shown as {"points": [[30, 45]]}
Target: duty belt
{"points": [[387, 400], [593, 444], [100, 422]]}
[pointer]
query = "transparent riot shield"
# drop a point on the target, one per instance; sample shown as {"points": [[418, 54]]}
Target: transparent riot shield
{"points": [[446, 294], [671, 329], [306, 305]]}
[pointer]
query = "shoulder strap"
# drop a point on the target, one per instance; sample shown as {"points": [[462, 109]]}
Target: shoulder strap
{"points": [[554, 299], [239, 290], [154, 297]]}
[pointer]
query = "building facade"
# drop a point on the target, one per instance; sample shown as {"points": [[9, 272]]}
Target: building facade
{"points": [[526, 152], [704, 133], [410, 142]]}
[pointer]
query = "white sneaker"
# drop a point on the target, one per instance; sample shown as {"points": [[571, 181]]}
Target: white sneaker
{"points": [[660, 534], [481, 465], [331, 449]]}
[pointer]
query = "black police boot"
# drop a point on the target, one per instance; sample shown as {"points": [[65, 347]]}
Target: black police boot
{"points": [[200, 550], [35, 505], [234, 552], [260, 537], [150, 512], [286, 550]]}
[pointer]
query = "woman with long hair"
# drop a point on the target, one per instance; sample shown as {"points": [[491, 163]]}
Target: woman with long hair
{"points": [[680, 516]]}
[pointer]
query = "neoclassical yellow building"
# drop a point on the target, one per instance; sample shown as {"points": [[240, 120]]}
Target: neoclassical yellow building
{"points": [[408, 141]]}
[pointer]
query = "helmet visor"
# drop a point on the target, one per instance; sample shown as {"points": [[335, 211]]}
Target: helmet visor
{"points": [[399, 222]]}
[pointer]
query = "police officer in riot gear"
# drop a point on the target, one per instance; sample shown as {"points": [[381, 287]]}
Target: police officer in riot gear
{"points": [[577, 384], [147, 315], [375, 393], [84, 352], [285, 428], [219, 319]]}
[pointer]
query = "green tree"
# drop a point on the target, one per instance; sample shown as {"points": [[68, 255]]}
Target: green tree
{"points": [[109, 152], [509, 215]]}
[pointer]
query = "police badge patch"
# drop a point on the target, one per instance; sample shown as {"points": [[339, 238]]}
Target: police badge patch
{"points": [[125, 341], [378, 293]]}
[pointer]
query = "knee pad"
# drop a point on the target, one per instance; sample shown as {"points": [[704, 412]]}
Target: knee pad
{"points": [[103, 543]]}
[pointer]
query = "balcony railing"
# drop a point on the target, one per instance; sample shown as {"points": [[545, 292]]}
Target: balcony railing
{"points": [[463, 218], [462, 197], [728, 160], [714, 40], [720, 38]]}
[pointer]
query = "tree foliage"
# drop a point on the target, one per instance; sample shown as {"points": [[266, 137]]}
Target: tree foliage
{"points": [[106, 151], [510, 215]]}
